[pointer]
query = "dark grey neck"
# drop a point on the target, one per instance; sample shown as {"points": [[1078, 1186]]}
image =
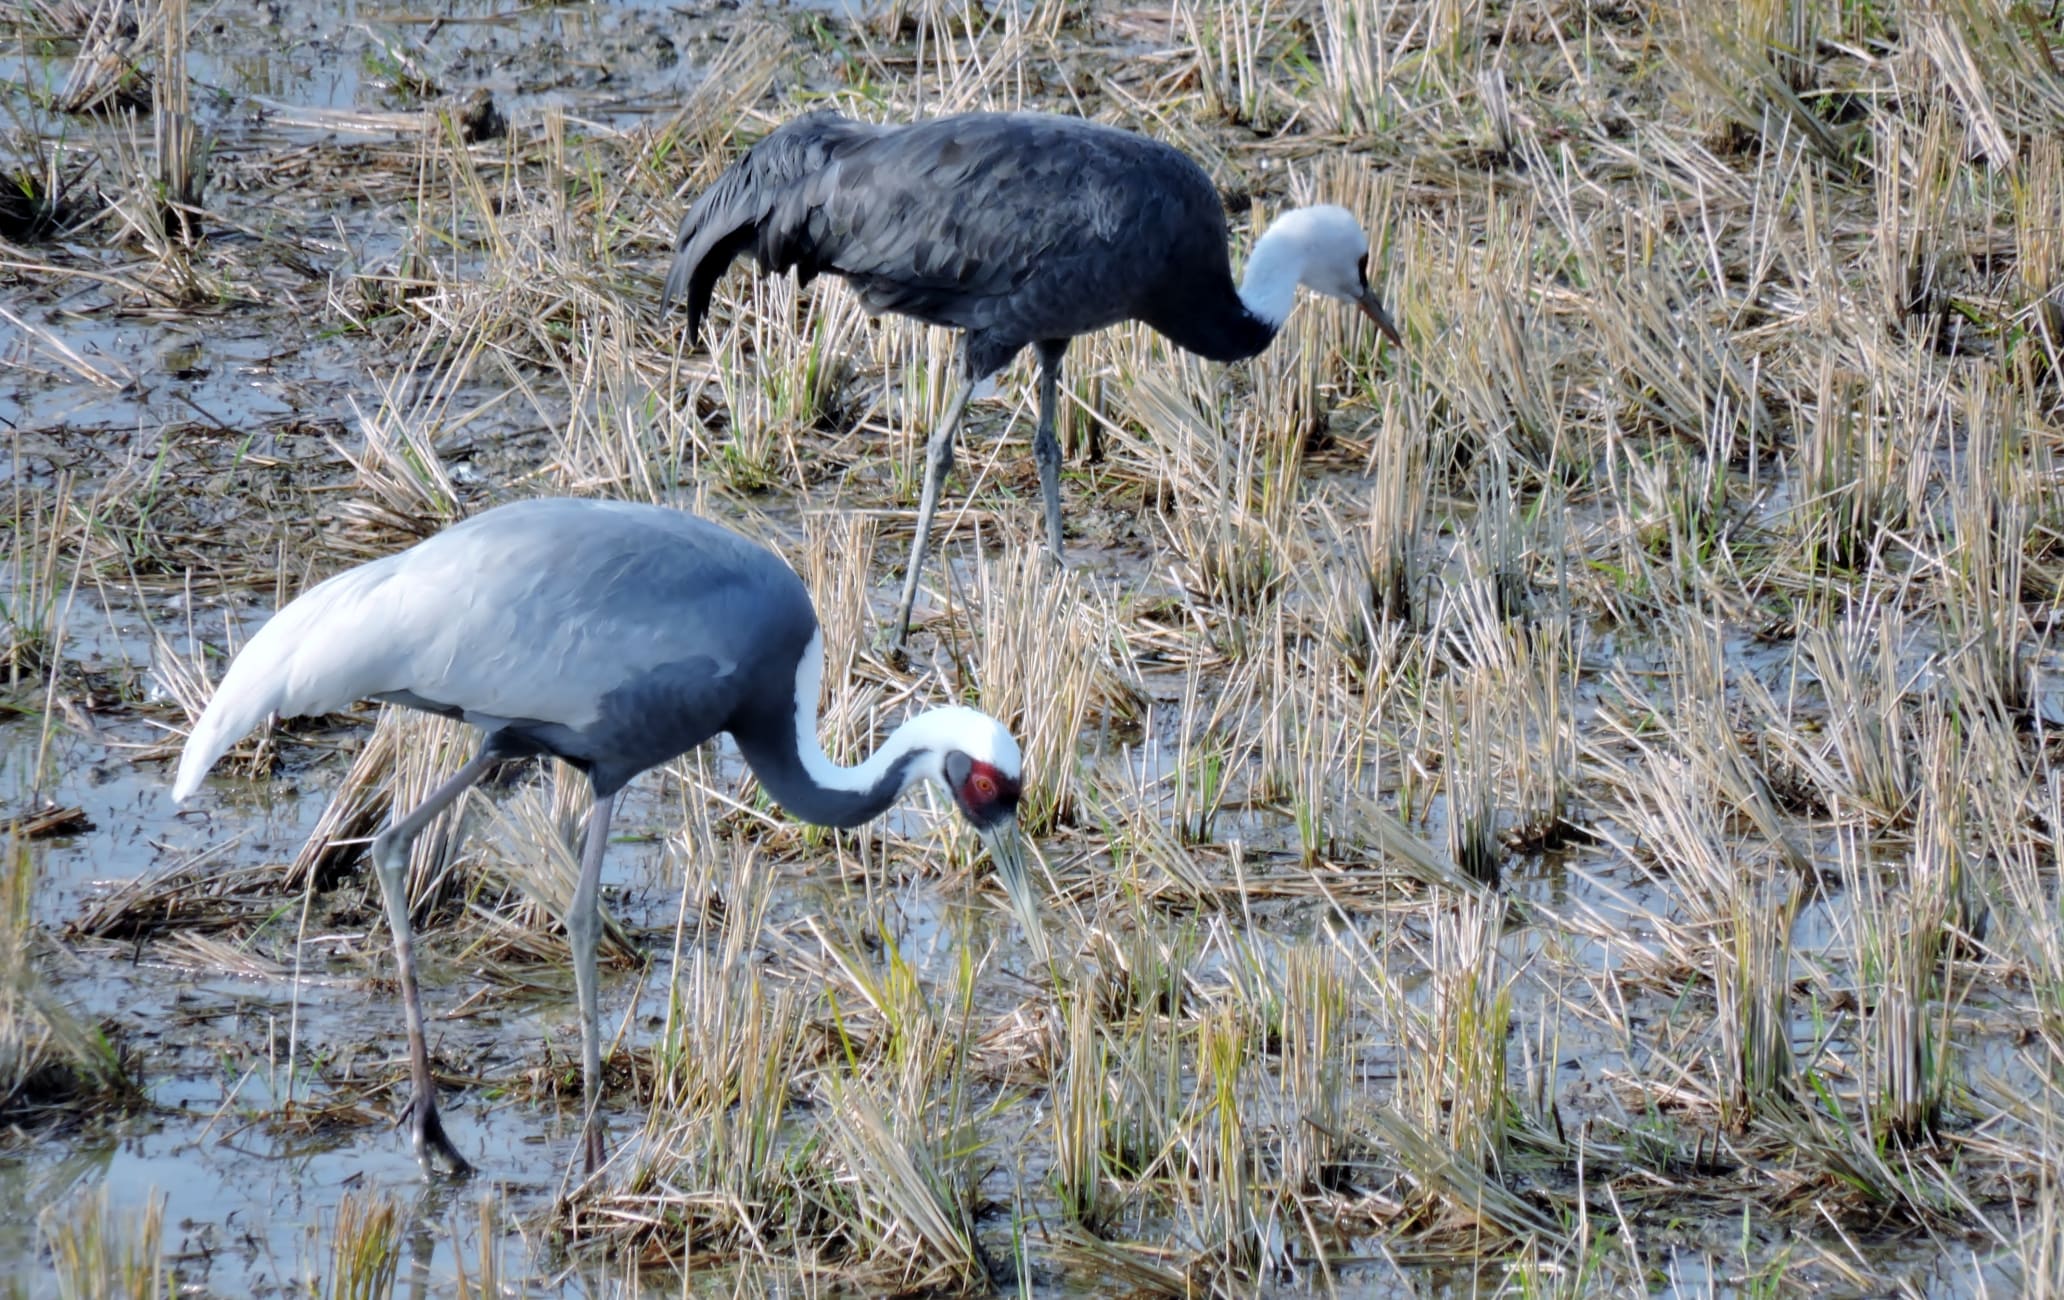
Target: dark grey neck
{"points": [[1216, 325], [777, 762]]}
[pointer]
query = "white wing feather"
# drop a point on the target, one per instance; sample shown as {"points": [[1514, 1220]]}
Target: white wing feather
{"points": [[311, 657]]}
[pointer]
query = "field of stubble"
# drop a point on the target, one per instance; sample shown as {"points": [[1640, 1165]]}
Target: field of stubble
{"points": [[1566, 806]]}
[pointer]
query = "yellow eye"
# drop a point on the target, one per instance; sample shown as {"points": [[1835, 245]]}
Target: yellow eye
{"points": [[985, 789]]}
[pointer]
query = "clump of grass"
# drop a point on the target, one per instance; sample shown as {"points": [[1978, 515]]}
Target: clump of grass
{"points": [[1232, 516], [1472, 800], [799, 343], [900, 1127], [2038, 341], [714, 1163], [1854, 497], [110, 71], [1318, 1018], [1903, 940], [1357, 67], [1916, 176], [1081, 1121], [401, 762], [32, 604], [1982, 541], [1871, 739], [365, 1247], [96, 1252], [165, 177], [1754, 62], [536, 838], [405, 490], [1218, 1200], [1453, 1121], [909, 1214], [1751, 971], [1505, 381], [1457, 1088], [48, 1057], [1040, 666], [182, 163], [1238, 45], [1376, 583], [1146, 993]]}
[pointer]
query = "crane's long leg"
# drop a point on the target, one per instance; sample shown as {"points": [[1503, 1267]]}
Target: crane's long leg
{"points": [[1046, 449], [938, 459], [583, 935], [390, 863]]}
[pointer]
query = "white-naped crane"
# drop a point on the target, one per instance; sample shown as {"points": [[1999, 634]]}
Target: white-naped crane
{"points": [[1017, 229], [614, 637]]}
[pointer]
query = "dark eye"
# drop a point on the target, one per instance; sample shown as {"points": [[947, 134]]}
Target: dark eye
{"points": [[1361, 269]]}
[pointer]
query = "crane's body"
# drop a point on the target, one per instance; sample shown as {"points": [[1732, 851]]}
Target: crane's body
{"points": [[615, 637], [992, 223], [1017, 229]]}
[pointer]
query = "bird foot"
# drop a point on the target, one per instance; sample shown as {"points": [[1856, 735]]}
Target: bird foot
{"points": [[894, 646], [427, 1136]]}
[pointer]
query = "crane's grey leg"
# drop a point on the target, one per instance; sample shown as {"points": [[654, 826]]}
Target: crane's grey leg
{"points": [[390, 863], [1046, 449], [583, 935], [938, 459]]}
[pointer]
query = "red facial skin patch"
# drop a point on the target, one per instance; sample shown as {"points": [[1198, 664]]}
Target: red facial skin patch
{"points": [[987, 790]]}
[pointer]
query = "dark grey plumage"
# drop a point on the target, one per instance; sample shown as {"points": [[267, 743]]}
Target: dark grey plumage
{"points": [[615, 637], [1016, 228]]}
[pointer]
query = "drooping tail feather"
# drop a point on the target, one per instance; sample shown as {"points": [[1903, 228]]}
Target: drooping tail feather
{"points": [[726, 219], [232, 712], [304, 660]]}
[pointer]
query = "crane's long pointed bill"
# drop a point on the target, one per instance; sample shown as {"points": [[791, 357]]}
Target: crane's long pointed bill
{"points": [[1372, 307], [1008, 851]]}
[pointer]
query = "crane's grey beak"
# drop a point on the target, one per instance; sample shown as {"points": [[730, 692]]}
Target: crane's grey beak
{"points": [[1372, 307], [1007, 849]]}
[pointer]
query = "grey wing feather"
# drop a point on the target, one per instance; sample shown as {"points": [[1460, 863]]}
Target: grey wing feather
{"points": [[726, 218], [572, 616], [541, 610], [1021, 225], [947, 220]]}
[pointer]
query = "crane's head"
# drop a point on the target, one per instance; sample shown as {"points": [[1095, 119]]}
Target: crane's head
{"points": [[1330, 252], [977, 762]]}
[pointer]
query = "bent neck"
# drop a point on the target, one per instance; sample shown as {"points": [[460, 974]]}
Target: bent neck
{"points": [[1215, 322], [791, 764], [1269, 288]]}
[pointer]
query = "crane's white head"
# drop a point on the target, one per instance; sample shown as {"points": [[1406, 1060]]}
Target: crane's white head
{"points": [[970, 756], [1322, 248]]}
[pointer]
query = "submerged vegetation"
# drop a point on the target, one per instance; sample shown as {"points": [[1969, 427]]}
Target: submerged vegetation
{"points": [[1567, 805]]}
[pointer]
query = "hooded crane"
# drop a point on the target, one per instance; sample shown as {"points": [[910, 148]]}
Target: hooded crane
{"points": [[1015, 228], [615, 637]]}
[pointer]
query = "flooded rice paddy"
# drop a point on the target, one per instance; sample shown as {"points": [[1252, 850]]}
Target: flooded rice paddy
{"points": [[1564, 807]]}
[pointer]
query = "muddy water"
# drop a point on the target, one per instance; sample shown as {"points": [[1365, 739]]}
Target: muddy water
{"points": [[223, 1044], [248, 1201]]}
